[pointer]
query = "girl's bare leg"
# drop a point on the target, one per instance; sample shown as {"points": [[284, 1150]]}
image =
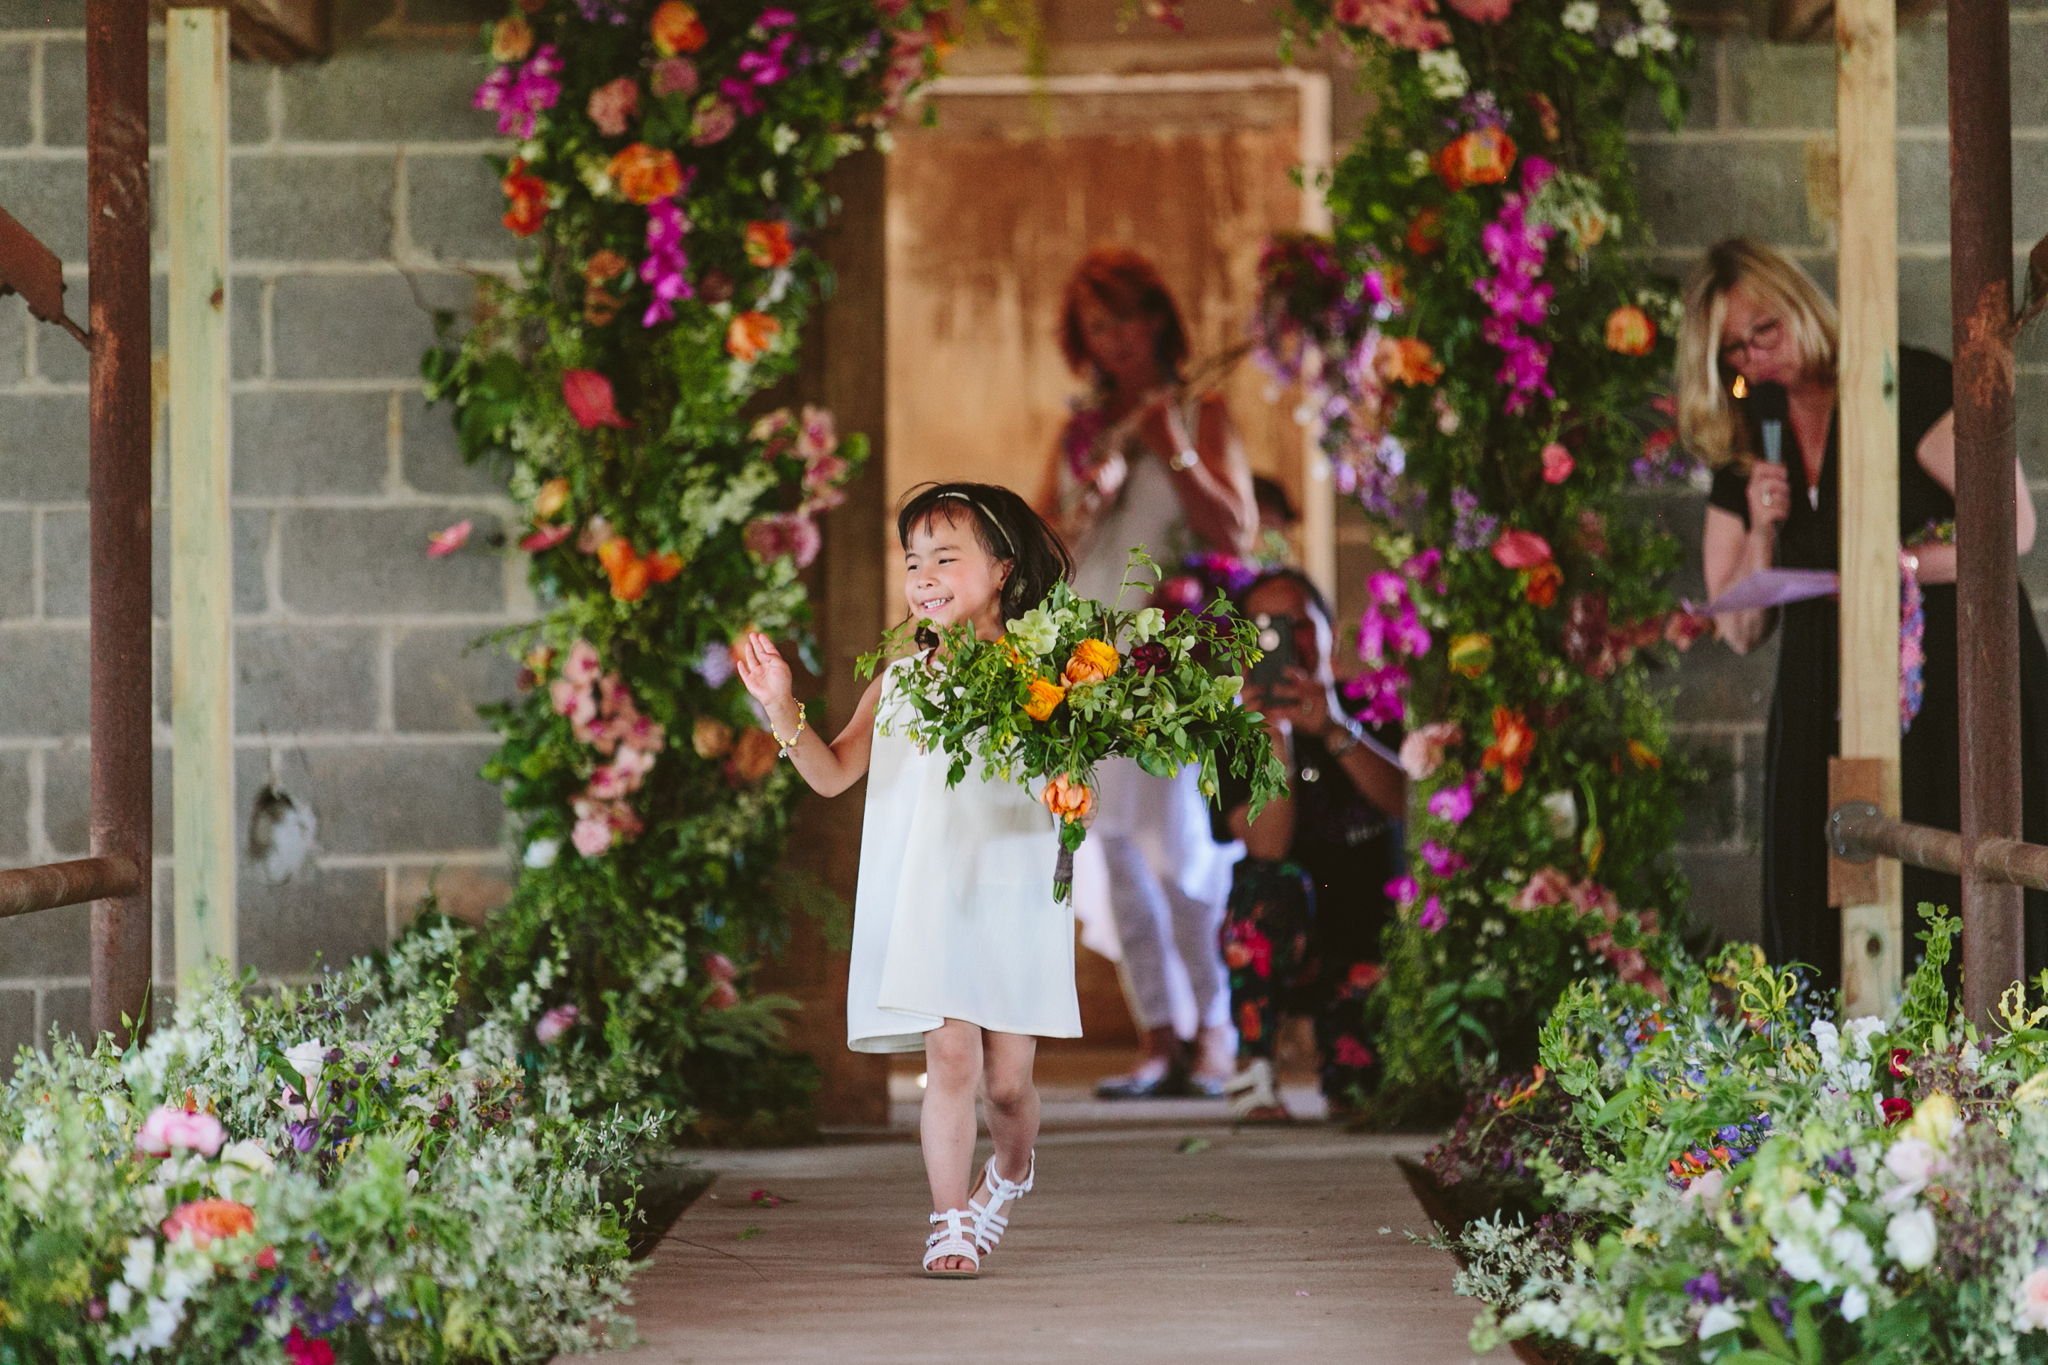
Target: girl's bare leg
{"points": [[1012, 1100], [946, 1124]]}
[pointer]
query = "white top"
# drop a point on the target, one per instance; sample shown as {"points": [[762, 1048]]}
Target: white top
{"points": [[1145, 514], [954, 916]]}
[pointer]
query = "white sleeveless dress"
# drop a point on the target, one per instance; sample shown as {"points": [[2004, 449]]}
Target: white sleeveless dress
{"points": [[954, 916]]}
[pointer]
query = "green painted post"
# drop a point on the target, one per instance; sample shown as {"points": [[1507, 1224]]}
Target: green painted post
{"points": [[202, 698]]}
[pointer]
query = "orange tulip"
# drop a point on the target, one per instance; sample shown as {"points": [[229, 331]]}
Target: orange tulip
{"points": [[1045, 699], [1067, 799], [750, 334], [1408, 360], [1093, 661], [1541, 583], [1426, 233], [1483, 156], [645, 174], [1630, 331], [676, 28], [529, 200], [768, 245], [663, 565], [1513, 742]]}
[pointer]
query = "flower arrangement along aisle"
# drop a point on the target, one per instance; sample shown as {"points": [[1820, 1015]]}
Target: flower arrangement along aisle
{"points": [[1741, 1179], [1482, 356], [665, 169], [306, 1176], [1073, 682]]}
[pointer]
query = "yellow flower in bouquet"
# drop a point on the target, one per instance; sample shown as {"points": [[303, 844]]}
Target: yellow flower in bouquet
{"points": [[1067, 799], [1045, 698], [1092, 661]]}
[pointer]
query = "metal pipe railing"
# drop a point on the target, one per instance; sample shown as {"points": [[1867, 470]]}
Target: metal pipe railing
{"points": [[1859, 832], [23, 891]]}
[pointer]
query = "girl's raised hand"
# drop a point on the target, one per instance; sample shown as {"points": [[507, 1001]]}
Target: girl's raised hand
{"points": [[762, 669]]}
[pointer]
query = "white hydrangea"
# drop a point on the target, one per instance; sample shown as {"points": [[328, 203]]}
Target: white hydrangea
{"points": [[1659, 38], [1653, 11], [1444, 73], [1581, 15], [1629, 44], [1909, 1238]]}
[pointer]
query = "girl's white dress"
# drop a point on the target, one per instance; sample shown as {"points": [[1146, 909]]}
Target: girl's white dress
{"points": [[954, 916]]}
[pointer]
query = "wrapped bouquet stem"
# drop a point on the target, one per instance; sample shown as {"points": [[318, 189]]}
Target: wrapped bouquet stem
{"points": [[1073, 682]]}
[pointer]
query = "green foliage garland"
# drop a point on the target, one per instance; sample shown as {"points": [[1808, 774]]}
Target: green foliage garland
{"points": [[668, 172], [1484, 350]]}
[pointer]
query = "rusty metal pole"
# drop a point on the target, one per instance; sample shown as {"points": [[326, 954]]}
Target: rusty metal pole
{"points": [[117, 253], [1987, 562]]}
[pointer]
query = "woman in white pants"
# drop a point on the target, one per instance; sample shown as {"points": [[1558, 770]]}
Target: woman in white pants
{"points": [[1143, 462]]}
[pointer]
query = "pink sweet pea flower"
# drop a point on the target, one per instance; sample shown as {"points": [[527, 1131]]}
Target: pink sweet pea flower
{"points": [[444, 543], [1433, 918], [1422, 751], [1521, 550], [168, 1127], [554, 1023], [1557, 463], [1442, 862], [719, 967], [545, 538], [1403, 890], [613, 105], [581, 666], [591, 836], [1452, 803], [673, 76]]}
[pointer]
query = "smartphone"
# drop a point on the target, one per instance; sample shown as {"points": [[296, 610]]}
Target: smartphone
{"points": [[1276, 639]]}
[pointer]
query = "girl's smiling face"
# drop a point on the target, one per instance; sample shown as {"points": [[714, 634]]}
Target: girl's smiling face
{"points": [[949, 578]]}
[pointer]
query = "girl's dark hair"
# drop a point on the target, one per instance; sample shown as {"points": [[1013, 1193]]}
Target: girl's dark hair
{"points": [[1004, 525], [1299, 579]]}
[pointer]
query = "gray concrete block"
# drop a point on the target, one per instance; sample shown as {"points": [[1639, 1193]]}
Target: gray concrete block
{"points": [[1781, 85], [439, 679], [2029, 54], [46, 680], [1754, 753], [43, 443], [1923, 193], [1712, 810], [404, 798], [294, 679], [1923, 305], [49, 943], [433, 456], [15, 125], [395, 95], [17, 1026], [312, 208], [2030, 411], [1727, 893], [67, 799], [347, 562], [14, 325], [455, 210], [17, 565], [61, 360], [14, 841], [360, 327], [48, 198], [1716, 683], [1645, 116], [1696, 193], [67, 574], [288, 444], [324, 918], [248, 103], [1923, 78], [68, 1010]]}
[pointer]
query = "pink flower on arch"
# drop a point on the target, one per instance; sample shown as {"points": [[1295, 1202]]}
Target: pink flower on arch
{"points": [[784, 533], [1521, 550], [1433, 917], [613, 105], [441, 544], [1547, 886], [581, 667], [1557, 463], [168, 1127], [554, 1024], [1403, 890], [673, 76], [1453, 803], [1441, 861], [667, 265], [591, 400], [1350, 1052], [1483, 11]]}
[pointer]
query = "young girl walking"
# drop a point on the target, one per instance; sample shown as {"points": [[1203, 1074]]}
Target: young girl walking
{"points": [[959, 949]]}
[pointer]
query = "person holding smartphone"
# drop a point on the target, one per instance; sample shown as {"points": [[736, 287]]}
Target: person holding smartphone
{"points": [[1308, 902]]}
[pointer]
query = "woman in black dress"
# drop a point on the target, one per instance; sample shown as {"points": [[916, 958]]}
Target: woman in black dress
{"points": [[1752, 316]]}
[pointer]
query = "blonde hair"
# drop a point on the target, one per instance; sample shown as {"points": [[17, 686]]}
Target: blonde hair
{"points": [[1706, 420]]}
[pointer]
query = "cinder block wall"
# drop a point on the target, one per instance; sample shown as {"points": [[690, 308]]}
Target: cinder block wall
{"points": [[359, 202], [1754, 158]]}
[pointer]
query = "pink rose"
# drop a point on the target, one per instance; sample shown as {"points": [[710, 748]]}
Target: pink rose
{"points": [[1557, 463], [817, 437], [554, 1024], [784, 533], [1422, 751], [581, 667], [714, 122], [613, 104], [166, 1128], [1588, 897], [566, 696], [591, 837], [1521, 550], [673, 76], [1483, 11], [723, 996], [1547, 887], [719, 967]]}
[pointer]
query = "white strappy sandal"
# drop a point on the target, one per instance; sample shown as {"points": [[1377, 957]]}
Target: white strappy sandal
{"points": [[956, 1238], [989, 1222]]}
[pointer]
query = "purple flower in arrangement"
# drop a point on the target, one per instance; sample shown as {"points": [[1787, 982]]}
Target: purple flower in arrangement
{"points": [[665, 269], [303, 1133], [1442, 861], [1518, 248], [1150, 657], [604, 11], [1705, 1288], [767, 66], [1452, 803], [1375, 694], [519, 97], [774, 19], [740, 95], [859, 57], [1479, 110], [1433, 918], [1403, 890], [1472, 531], [1426, 569]]}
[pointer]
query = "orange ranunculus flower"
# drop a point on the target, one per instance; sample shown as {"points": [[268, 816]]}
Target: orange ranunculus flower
{"points": [[1644, 755], [1483, 156], [552, 498], [209, 1221], [1541, 583], [511, 40], [710, 737], [1630, 331], [627, 571], [529, 199], [604, 265], [645, 174], [1093, 661], [1067, 799], [753, 757], [768, 244], [1426, 233], [750, 334], [1513, 742], [676, 28], [1045, 699], [1408, 360], [663, 565]]}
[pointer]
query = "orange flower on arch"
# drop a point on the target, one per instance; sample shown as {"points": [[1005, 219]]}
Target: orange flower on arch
{"points": [[750, 334], [1426, 233], [209, 1221], [1541, 583], [768, 245], [676, 28], [1407, 360], [645, 174], [1513, 743], [1630, 331], [1483, 156], [529, 199]]}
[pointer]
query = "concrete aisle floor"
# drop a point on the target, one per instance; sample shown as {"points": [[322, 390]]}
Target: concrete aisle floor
{"points": [[1267, 1245]]}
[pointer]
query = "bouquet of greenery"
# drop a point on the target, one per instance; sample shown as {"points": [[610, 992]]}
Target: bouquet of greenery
{"points": [[1073, 682]]}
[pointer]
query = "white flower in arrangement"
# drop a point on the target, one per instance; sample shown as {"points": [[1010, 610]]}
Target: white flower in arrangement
{"points": [[785, 137], [1418, 163], [1035, 632], [541, 853], [1852, 1253], [1444, 73], [2031, 1309], [1629, 44], [1719, 1318], [1912, 1162], [1561, 814], [1581, 15], [768, 184], [1147, 623], [1861, 1031], [1909, 1238], [307, 1058], [885, 142], [1855, 1303], [1654, 11], [1660, 38], [33, 1170], [595, 173]]}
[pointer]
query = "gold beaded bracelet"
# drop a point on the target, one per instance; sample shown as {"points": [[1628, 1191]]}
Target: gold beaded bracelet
{"points": [[790, 743]]}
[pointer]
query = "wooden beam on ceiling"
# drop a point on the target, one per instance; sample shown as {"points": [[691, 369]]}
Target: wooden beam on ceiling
{"points": [[279, 31]]}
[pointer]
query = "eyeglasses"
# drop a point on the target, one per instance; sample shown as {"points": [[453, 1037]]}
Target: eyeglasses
{"points": [[1765, 336]]}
